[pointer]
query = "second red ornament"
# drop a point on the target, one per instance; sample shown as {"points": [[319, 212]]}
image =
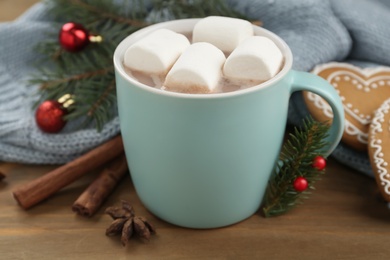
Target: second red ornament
{"points": [[49, 116]]}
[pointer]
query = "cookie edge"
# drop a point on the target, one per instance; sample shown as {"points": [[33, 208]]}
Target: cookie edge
{"points": [[375, 150]]}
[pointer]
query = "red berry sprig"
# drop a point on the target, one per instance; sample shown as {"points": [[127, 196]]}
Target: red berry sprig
{"points": [[300, 183], [301, 165]]}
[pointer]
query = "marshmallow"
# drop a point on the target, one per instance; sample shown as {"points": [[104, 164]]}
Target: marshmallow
{"points": [[157, 52], [256, 58], [224, 32], [198, 69]]}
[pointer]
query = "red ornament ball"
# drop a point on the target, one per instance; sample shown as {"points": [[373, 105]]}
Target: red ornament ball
{"points": [[300, 184], [319, 163], [73, 37], [50, 116]]}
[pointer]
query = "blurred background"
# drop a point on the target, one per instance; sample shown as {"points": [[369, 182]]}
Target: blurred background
{"points": [[10, 9]]}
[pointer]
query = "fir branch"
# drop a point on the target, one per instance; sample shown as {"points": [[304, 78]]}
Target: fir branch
{"points": [[181, 9], [101, 98], [108, 15], [81, 76], [296, 160]]}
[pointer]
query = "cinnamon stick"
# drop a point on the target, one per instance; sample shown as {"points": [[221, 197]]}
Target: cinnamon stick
{"points": [[41, 188], [91, 199]]}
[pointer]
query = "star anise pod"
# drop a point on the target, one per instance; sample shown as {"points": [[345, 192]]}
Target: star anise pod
{"points": [[127, 224]]}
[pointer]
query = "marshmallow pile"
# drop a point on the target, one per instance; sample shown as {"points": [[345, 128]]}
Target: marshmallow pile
{"points": [[221, 48]]}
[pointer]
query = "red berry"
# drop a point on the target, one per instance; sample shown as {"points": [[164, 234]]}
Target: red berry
{"points": [[319, 163], [300, 184], [73, 37], [49, 116]]}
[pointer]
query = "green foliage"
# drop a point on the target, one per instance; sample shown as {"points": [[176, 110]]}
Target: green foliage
{"points": [[89, 75], [195, 8], [296, 159]]}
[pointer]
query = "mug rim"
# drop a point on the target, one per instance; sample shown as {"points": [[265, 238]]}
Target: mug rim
{"points": [[132, 38]]}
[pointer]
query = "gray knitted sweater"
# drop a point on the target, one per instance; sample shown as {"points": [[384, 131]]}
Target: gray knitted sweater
{"points": [[318, 31]]}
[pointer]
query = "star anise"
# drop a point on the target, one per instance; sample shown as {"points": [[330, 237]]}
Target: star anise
{"points": [[127, 224], [2, 176]]}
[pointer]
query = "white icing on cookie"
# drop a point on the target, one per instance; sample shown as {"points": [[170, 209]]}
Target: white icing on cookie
{"points": [[360, 83], [376, 145], [349, 128], [367, 72]]}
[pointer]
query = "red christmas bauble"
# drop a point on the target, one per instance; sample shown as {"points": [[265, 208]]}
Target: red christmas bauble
{"points": [[319, 163], [50, 116], [73, 37], [300, 184]]}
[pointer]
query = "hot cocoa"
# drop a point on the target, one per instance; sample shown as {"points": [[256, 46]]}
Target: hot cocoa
{"points": [[199, 61]]}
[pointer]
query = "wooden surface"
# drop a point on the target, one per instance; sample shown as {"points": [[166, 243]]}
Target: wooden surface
{"points": [[344, 219]]}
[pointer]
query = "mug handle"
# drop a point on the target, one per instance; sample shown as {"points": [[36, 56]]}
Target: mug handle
{"points": [[313, 83]]}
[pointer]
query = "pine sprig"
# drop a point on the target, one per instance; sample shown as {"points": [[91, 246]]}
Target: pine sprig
{"points": [[89, 75], [296, 159], [180, 9]]}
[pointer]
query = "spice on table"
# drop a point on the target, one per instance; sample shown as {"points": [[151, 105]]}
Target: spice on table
{"points": [[43, 187], [2, 176], [94, 195], [127, 224]]}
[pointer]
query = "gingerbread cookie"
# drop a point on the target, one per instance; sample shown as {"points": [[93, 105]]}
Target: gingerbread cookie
{"points": [[362, 91], [378, 148]]}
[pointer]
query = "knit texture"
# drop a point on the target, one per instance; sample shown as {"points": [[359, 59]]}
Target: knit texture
{"points": [[317, 31]]}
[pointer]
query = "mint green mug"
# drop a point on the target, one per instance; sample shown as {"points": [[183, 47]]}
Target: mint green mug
{"points": [[204, 160]]}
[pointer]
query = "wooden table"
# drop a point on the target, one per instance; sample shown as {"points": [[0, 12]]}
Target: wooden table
{"points": [[344, 219]]}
